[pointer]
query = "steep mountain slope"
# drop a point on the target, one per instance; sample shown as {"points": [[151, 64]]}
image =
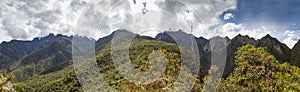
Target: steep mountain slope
{"points": [[295, 55], [62, 80], [141, 48], [166, 37], [12, 52], [56, 54], [272, 45], [276, 48], [48, 59], [201, 43], [233, 44], [204, 56], [257, 70], [100, 43]]}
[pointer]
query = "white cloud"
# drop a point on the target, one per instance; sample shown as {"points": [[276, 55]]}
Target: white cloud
{"points": [[24, 20], [4, 34], [228, 16], [291, 38], [231, 30], [289, 42], [209, 10], [205, 11]]}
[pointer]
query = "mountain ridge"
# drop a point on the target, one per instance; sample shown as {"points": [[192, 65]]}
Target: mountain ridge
{"points": [[269, 43]]}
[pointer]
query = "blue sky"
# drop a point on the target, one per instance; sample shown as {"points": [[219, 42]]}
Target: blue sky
{"points": [[27, 19], [281, 17]]}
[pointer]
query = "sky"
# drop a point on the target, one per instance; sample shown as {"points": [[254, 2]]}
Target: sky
{"points": [[27, 19]]}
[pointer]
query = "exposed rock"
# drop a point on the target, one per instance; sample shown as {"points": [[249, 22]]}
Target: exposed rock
{"points": [[276, 48], [295, 55]]}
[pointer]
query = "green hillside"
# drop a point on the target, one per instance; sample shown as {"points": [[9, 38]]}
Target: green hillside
{"points": [[139, 51], [49, 59], [256, 70]]}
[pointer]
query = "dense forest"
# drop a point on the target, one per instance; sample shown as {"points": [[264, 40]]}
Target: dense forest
{"points": [[45, 64], [256, 70]]}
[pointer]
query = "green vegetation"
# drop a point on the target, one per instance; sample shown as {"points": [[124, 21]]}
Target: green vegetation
{"points": [[54, 57], [258, 70], [64, 80], [5, 83], [140, 50]]}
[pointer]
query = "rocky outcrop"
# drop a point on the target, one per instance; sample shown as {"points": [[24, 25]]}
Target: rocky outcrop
{"points": [[295, 55], [276, 48]]}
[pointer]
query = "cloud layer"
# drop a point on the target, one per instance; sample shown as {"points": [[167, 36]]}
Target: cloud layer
{"points": [[27, 19], [280, 17], [24, 20]]}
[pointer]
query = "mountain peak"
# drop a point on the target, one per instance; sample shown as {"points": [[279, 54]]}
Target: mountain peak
{"points": [[146, 37], [268, 36], [120, 30], [295, 55], [239, 36], [201, 38], [275, 47]]}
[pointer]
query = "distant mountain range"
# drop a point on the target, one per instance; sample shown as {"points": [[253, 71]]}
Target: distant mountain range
{"points": [[54, 52], [280, 50]]}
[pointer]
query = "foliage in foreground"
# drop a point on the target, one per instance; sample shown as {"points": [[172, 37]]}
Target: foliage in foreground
{"points": [[258, 70], [5, 83], [64, 80]]}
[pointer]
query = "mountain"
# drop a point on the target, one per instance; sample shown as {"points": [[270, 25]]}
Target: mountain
{"points": [[102, 42], [166, 37], [232, 47], [141, 47], [276, 48], [39, 56], [295, 55], [47, 59], [258, 70], [47, 56], [14, 51], [204, 49], [272, 45], [57, 55], [201, 43], [204, 55]]}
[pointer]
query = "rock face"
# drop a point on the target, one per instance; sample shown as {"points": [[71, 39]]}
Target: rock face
{"points": [[12, 52], [295, 55], [51, 58], [102, 42], [276, 48], [281, 51], [232, 46], [41, 55], [44, 55], [166, 37]]}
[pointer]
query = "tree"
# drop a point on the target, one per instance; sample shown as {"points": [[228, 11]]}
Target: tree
{"points": [[5, 84], [258, 70]]}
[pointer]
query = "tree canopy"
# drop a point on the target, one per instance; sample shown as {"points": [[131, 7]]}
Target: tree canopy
{"points": [[258, 70]]}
